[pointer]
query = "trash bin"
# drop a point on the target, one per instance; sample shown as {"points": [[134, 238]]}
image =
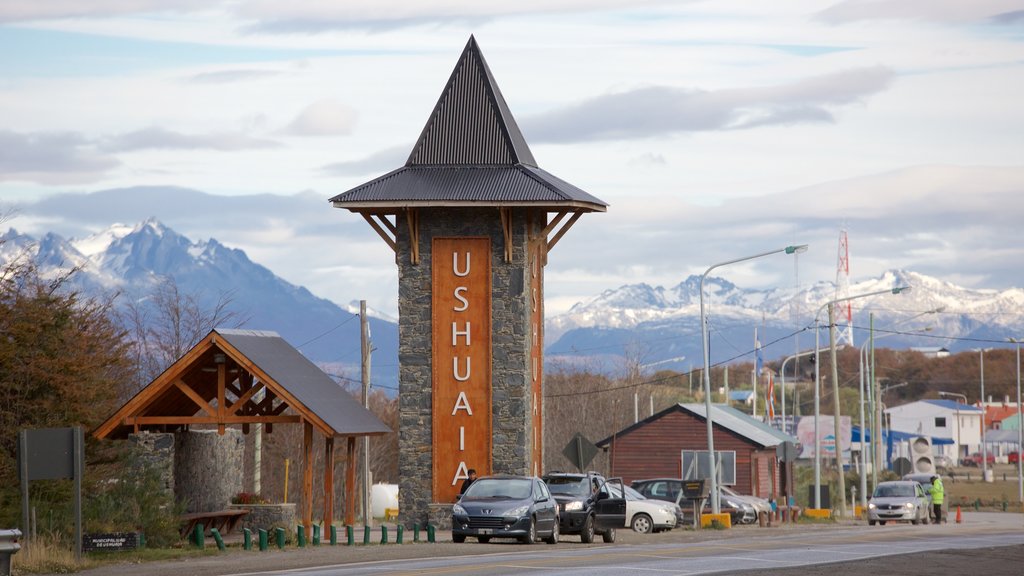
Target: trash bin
{"points": [[8, 546]]}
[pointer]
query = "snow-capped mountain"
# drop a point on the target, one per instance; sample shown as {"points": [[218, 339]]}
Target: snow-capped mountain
{"points": [[660, 327], [131, 260]]}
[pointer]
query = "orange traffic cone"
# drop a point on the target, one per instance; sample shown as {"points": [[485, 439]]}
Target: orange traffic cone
{"points": [[959, 518]]}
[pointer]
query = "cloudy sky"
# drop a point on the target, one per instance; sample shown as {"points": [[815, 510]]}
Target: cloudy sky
{"points": [[714, 129]]}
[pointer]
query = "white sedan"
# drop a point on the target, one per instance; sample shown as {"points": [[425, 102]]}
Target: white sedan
{"points": [[644, 515]]}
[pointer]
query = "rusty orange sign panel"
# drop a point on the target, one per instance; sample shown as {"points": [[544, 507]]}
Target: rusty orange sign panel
{"points": [[461, 330]]}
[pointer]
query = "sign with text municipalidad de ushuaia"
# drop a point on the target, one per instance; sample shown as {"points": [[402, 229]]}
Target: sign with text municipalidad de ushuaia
{"points": [[461, 362]]}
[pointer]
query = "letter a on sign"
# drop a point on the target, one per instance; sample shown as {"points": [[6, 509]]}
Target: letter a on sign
{"points": [[462, 403]]}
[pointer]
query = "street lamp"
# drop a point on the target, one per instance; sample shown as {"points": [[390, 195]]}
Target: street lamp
{"points": [[714, 492], [1020, 429], [835, 393], [956, 395], [984, 444], [782, 374]]}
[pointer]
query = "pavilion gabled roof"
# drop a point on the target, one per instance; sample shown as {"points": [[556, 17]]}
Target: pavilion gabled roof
{"points": [[218, 382], [470, 153]]}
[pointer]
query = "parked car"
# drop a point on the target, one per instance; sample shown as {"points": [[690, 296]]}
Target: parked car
{"points": [[760, 504], [974, 460], [671, 490], [643, 514], [518, 507], [586, 506], [942, 462], [898, 501], [1013, 457]]}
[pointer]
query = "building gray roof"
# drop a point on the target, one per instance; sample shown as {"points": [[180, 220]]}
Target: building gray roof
{"points": [[729, 418], [470, 153]]}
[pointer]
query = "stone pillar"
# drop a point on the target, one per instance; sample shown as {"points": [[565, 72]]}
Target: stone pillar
{"points": [[154, 451], [208, 468], [511, 394]]}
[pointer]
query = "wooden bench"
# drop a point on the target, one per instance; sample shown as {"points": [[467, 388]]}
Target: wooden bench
{"points": [[223, 520]]}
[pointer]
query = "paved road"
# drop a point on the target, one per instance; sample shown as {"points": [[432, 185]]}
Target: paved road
{"points": [[985, 544]]}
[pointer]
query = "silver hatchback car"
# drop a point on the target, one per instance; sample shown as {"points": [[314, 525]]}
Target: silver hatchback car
{"points": [[898, 501]]}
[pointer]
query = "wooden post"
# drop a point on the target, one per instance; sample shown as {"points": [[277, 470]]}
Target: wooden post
{"points": [[350, 483], [328, 517], [307, 477]]}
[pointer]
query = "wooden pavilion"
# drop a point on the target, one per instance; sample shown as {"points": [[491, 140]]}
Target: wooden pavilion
{"points": [[219, 382]]}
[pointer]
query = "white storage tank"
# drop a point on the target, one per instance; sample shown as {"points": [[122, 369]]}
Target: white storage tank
{"points": [[383, 497]]}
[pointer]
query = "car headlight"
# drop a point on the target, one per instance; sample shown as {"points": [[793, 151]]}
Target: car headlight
{"points": [[574, 505], [516, 511], [458, 509], [909, 505], [871, 506], [668, 510]]}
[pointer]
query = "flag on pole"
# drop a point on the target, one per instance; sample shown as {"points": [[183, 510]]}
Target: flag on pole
{"points": [[759, 361], [770, 402]]}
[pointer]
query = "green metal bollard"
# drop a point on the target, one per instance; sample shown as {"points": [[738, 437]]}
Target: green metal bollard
{"points": [[334, 535], [316, 534], [246, 539], [218, 539], [302, 536], [366, 535], [383, 534], [199, 535], [142, 539], [977, 504], [400, 530], [350, 536], [279, 534], [264, 540], [1004, 505], [430, 533], [415, 532]]}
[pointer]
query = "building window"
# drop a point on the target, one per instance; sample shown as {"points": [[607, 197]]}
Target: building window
{"points": [[940, 422]]}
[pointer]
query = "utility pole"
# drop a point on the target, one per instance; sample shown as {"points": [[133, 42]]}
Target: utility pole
{"points": [[841, 477], [364, 331]]}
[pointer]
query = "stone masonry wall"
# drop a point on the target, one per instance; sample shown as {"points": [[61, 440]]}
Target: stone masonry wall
{"points": [[155, 451], [208, 468], [510, 344]]}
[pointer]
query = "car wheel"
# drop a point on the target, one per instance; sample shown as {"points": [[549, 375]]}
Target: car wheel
{"points": [[609, 535], [483, 539], [458, 538], [587, 532], [881, 522], [915, 521], [553, 538], [531, 533], [925, 519], [871, 522], [642, 523]]}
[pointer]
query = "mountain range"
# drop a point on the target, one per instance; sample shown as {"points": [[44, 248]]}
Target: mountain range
{"points": [[634, 325]]}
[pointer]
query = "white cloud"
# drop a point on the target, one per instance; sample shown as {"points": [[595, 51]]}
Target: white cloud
{"points": [[52, 158], [932, 10], [163, 139], [323, 118], [25, 10]]}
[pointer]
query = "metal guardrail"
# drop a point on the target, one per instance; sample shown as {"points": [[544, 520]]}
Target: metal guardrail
{"points": [[8, 546]]}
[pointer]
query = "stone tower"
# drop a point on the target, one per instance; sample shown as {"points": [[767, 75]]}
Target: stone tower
{"points": [[471, 218]]}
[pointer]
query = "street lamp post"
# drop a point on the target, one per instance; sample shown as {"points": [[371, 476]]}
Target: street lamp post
{"points": [[712, 467], [1020, 430], [835, 394], [984, 445], [956, 395]]}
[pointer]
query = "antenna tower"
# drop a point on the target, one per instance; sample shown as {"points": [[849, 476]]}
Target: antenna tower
{"points": [[844, 311]]}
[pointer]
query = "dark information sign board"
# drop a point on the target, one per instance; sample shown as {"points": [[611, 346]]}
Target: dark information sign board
{"points": [[112, 542], [50, 453]]}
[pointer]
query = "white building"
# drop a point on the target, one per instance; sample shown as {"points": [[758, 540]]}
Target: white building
{"points": [[941, 419]]}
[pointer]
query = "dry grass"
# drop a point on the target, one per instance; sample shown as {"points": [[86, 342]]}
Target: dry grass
{"points": [[963, 492], [51, 554]]}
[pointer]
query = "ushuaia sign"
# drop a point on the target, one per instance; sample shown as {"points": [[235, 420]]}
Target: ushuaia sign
{"points": [[461, 361]]}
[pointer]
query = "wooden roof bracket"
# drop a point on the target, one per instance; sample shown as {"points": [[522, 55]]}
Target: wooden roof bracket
{"points": [[506, 229], [565, 228], [412, 218], [378, 222]]}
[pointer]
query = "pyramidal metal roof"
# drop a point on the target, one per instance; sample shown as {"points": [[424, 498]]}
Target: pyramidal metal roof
{"points": [[470, 152]]}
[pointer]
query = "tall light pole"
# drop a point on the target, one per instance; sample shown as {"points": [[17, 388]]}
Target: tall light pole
{"points": [[1020, 430], [782, 374], [712, 468], [984, 445], [956, 395], [835, 393]]}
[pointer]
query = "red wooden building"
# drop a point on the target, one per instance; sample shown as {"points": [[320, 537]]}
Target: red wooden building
{"points": [[673, 443]]}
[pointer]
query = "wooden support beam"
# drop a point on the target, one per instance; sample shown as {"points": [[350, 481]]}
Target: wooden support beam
{"points": [[307, 477], [199, 400], [243, 399], [328, 517], [350, 482], [564, 229], [506, 229], [412, 219], [371, 219], [185, 420], [222, 372]]}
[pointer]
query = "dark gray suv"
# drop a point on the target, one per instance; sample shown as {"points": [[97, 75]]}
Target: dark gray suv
{"points": [[586, 506]]}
